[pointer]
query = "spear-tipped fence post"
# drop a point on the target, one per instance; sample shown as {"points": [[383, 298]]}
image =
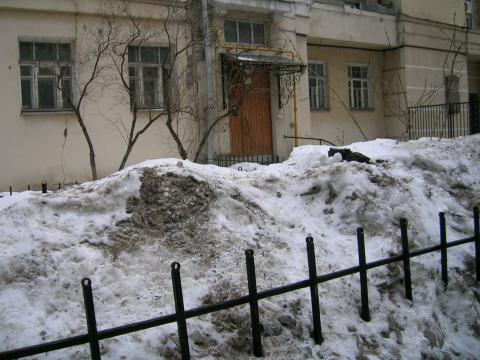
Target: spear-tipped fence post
{"points": [[180, 311], [476, 226], [91, 321], [253, 299], [365, 312], [443, 248], [312, 272], [406, 259], [10, 191]]}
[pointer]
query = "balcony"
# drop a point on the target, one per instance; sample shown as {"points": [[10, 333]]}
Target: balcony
{"points": [[263, 6], [337, 22], [380, 6]]}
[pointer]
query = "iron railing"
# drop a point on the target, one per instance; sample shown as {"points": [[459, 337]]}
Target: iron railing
{"points": [[443, 121], [320, 140], [94, 336], [229, 160]]}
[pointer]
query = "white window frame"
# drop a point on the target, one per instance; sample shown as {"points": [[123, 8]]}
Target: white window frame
{"points": [[60, 104], [365, 103], [139, 85], [252, 40], [316, 105]]}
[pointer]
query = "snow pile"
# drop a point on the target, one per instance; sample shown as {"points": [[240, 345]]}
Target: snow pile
{"points": [[125, 230]]}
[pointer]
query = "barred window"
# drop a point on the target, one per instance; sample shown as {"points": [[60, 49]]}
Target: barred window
{"points": [[359, 87], [45, 76], [317, 81], [146, 65]]}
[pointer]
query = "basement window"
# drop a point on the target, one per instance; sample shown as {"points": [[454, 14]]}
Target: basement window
{"points": [[244, 32], [46, 76]]}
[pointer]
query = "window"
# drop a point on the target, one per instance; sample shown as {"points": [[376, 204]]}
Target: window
{"points": [[146, 65], [244, 32], [468, 13], [358, 87], [317, 81], [46, 76]]}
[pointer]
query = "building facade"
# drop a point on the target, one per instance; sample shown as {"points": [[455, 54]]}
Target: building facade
{"points": [[264, 76]]}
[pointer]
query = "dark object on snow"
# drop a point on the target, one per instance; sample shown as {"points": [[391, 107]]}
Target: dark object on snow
{"points": [[349, 155]]}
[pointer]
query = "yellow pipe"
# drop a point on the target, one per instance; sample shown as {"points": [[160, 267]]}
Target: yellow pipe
{"points": [[275, 50]]}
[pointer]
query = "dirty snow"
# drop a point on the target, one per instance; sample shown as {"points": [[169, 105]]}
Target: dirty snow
{"points": [[124, 231]]}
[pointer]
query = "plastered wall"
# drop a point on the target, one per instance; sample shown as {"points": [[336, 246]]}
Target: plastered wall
{"points": [[51, 146], [444, 11], [336, 123]]}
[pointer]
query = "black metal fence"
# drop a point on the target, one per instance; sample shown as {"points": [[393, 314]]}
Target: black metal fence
{"points": [[44, 187], [443, 121], [320, 140], [229, 160], [94, 336]]}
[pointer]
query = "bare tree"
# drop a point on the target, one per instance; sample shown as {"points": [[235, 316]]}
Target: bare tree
{"points": [[90, 67], [130, 38]]}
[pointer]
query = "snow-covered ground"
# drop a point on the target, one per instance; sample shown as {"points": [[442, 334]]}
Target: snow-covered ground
{"points": [[125, 230]]}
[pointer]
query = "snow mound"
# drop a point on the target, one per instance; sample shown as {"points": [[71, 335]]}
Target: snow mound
{"points": [[125, 230]]}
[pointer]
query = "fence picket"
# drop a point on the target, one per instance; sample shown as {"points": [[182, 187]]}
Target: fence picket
{"points": [[362, 263], [91, 321], [252, 293], [312, 272], [180, 311], [443, 248], [476, 226], [406, 259]]}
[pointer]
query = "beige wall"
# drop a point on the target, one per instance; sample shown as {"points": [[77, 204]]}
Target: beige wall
{"points": [[415, 77], [445, 11], [336, 124], [425, 71], [395, 94], [33, 146]]}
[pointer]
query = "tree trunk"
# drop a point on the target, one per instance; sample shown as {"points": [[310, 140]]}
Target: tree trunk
{"points": [[125, 157], [93, 165]]}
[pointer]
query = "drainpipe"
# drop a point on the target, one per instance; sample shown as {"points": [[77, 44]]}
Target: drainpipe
{"points": [[207, 47]]}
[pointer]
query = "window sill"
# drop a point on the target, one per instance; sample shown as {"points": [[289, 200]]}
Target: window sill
{"points": [[146, 111], [252, 46], [46, 112], [320, 109], [362, 109]]}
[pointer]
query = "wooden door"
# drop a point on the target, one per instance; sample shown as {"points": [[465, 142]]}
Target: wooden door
{"points": [[251, 126]]}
